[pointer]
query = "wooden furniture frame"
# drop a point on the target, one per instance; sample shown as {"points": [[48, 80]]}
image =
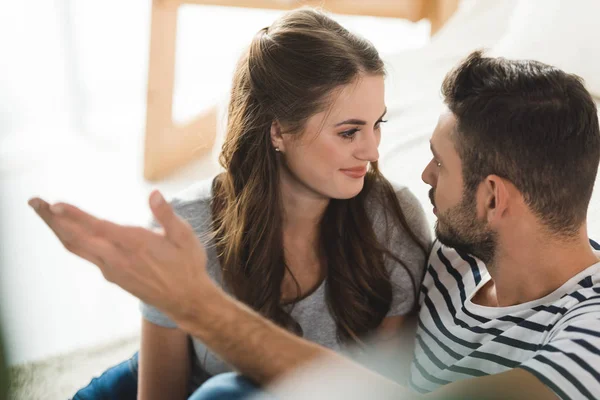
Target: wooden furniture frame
{"points": [[169, 146]]}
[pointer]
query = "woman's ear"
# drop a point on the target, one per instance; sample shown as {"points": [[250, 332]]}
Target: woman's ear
{"points": [[277, 137]]}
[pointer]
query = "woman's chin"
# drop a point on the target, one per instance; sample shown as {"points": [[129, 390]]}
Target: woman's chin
{"points": [[349, 191]]}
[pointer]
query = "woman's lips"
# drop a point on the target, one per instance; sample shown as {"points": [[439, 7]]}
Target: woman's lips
{"points": [[356, 173]]}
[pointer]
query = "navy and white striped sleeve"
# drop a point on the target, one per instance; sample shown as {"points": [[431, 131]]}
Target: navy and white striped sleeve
{"points": [[569, 364]]}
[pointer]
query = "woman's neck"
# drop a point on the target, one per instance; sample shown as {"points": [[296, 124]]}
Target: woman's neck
{"points": [[302, 209]]}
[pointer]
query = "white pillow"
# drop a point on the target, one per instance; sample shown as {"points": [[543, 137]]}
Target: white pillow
{"points": [[563, 33]]}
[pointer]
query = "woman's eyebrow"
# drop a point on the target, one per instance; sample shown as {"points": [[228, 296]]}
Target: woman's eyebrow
{"points": [[358, 121]]}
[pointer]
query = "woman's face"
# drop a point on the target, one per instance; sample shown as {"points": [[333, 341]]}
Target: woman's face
{"points": [[331, 156]]}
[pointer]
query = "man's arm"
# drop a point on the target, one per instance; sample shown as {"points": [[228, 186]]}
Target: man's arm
{"points": [[255, 346], [266, 353]]}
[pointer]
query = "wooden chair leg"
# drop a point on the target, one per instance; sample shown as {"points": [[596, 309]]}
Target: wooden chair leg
{"points": [[168, 146]]}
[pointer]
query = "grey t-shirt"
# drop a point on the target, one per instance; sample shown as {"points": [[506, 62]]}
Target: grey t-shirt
{"points": [[311, 312]]}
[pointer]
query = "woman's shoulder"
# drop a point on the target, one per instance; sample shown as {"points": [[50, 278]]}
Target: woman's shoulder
{"points": [[381, 209], [194, 205], [200, 191], [194, 202], [377, 199], [409, 203]]}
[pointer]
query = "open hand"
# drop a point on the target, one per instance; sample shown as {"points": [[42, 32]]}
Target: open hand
{"points": [[165, 268]]}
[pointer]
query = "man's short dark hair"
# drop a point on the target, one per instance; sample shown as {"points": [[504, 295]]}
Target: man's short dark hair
{"points": [[531, 124]]}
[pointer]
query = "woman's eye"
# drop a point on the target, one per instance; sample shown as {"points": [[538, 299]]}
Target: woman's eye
{"points": [[349, 134]]}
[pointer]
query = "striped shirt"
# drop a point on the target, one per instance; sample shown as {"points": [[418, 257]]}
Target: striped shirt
{"points": [[556, 338]]}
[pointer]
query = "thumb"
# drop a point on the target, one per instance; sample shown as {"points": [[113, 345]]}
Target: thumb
{"points": [[176, 230]]}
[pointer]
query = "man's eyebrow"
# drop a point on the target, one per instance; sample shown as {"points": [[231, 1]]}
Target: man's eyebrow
{"points": [[358, 121]]}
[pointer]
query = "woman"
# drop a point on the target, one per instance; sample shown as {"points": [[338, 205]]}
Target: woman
{"points": [[301, 225]]}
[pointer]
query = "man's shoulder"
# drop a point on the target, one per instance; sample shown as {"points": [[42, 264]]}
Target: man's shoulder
{"points": [[584, 297], [453, 272], [447, 259]]}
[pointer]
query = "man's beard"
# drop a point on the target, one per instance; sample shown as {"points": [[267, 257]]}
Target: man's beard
{"points": [[458, 227]]}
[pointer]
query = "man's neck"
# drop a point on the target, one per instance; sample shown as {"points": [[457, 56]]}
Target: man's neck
{"points": [[527, 268]]}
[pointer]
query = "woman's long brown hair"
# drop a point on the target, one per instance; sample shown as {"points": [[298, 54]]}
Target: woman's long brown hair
{"points": [[287, 75]]}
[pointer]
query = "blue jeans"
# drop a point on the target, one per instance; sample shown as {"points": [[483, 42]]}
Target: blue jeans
{"points": [[229, 386], [121, 382]]}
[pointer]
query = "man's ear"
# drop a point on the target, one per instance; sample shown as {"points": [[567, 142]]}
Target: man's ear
{"points": [[277, 137], [495, 198]]}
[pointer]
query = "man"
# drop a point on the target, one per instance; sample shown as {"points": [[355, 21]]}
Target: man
{"points": [[515, 160], [515, 157]]}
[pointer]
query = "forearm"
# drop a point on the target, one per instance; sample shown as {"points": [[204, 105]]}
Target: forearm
{"points": [[264, 352], [254, 345], [164, 363], [258, 348]]}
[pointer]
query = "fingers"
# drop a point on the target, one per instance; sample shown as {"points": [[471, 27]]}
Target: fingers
{"points": [[73, 235], [42, 209], [84, 235], [135, 260], [175, 229], [95, 226], [151, 265], [65, 234], [94, 250], [121, 236]]}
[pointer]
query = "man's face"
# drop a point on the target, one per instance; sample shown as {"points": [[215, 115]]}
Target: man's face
{"points": [[456, 208]]}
